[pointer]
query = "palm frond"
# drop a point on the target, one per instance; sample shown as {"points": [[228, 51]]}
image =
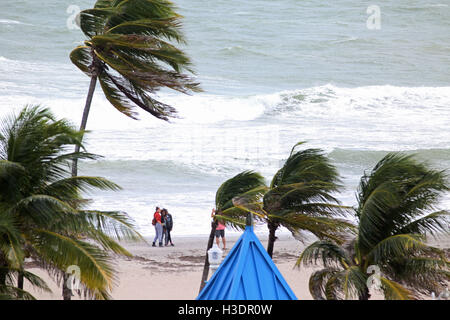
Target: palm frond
{"points": [[328, 228], [435, 224], [167, 28], [113, 223], [120, 91], [305, 166], [353, 283], [237, 223], [69, 188], [11, 174], [8, 292], [395, 291], [11, 241], [425, 273], [43, 209], [245, 207], [327, 253], [396, 246], [250, 197], [318, 280], [96, 267], [238, 185], [36, 281], [81, 56], [131, 10], [93, 21]]}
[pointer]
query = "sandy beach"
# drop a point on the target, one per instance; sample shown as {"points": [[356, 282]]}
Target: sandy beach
{"points": [[174, 273], [156, 273]]}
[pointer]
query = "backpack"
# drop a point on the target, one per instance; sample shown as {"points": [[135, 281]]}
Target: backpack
{"points": [[154, 219]]}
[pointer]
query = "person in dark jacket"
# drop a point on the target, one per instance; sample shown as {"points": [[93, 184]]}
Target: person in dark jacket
{"points": [[168, 225]]}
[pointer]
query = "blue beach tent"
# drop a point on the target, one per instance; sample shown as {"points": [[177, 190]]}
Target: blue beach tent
{"points": [[247, 273]]}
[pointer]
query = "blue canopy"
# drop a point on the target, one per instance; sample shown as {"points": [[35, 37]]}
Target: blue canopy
{"points": [[247, 273]]}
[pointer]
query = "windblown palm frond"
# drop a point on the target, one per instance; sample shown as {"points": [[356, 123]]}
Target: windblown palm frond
{"points": [[238, 185], [305, 166], [248, 185], [330, 255], [96, 265], [318, 281], [323, 227], [301, 197], [394, 291], [11, 250], [304, 184], [349, 283]]}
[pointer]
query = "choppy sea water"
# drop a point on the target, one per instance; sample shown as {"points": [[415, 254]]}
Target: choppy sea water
{"points": [[274, 73]]}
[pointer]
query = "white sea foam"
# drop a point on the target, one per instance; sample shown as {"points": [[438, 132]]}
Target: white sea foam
{"points": [[7, 21], [389, 104], [221, 135], [383, 106], [349, 39]]}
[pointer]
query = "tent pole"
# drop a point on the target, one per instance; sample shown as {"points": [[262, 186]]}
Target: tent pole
{"points": [[249, 220]]}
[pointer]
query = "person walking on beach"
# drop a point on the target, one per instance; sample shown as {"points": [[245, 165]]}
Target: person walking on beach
{"points": [[220, 231], [158, 227], [168, 225]]}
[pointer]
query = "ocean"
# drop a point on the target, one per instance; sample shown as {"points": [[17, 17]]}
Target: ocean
{"points": [[357, 79]]}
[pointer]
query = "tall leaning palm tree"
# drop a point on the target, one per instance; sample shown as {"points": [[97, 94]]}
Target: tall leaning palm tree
{"points": [[248, 184], [44, 204], [300, 198], [396, 214], [129, 52]]}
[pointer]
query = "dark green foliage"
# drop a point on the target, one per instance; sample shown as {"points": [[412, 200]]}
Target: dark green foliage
{"points": [[247, 184], [300, 198], [395, 213], [130, 50], [42, 213]]}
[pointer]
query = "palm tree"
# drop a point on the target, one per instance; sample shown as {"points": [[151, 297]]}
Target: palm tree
{"points": [[43, 202], [300, 198], [247, 183], [396, 212], [129, 52]]}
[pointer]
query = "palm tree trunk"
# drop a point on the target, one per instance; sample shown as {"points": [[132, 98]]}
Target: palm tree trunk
{"points": [[206, 265], [3, 270], [272, 238], [20, 284], [66, 292], [84, 119], [365, 295]]}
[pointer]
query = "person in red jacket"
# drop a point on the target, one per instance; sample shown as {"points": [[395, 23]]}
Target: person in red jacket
{"points": [[158, 227], [220, 231]]}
